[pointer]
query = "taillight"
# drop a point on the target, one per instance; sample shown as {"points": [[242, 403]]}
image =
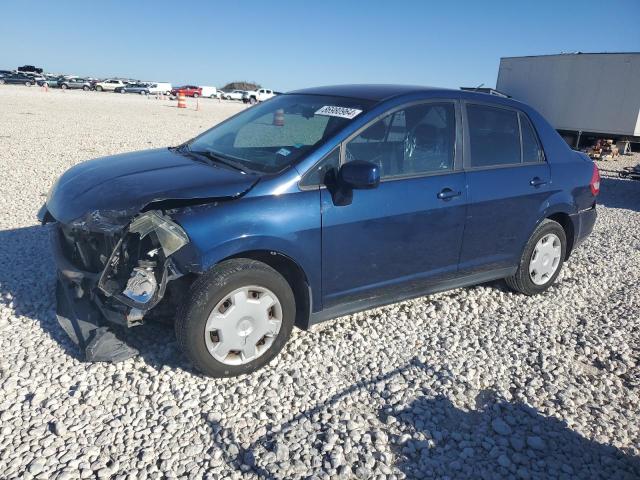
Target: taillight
{"points": [[595, 181]]}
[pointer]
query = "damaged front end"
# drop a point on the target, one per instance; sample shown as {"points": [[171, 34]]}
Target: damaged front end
{"points": [[111, 271]]}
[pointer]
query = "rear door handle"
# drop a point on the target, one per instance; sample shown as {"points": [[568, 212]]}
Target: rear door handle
{"points": [[448, 194], [537, 181]]}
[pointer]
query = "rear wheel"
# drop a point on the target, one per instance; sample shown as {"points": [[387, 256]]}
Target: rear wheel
{"points": [[86, 89], [236, 318], [27, 84], [1, 81], [541, 260], [64, 86], [253, 100]]}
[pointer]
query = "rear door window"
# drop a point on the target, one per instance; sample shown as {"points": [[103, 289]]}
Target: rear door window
{"points": [[494, 136]]}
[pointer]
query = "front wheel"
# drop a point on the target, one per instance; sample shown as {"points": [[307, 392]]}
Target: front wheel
{"points": [[195, 95], [27, 84], [64, 86], [99, 88], [253, 100], [236, 318], [541, 260]]}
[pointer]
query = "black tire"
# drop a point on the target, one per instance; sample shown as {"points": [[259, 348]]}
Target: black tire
{"points": [[210, 289], [64, 86], [99, 88], [27, 84], [2, 82], [253, 100], [521, 281], [195, 95], [86, 89]]}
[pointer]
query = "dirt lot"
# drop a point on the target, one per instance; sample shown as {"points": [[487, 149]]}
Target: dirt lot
{"points": [[474, 382]]}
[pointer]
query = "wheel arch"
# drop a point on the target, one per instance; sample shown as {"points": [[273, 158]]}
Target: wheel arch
{"points": [[292, 272], [565, 221]]}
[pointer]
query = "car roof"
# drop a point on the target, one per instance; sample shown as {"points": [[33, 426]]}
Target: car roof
{"points": [[381, 92], [375, 92]]}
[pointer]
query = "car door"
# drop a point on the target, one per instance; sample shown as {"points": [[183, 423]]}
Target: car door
{"points": [[509, 182], [407, 232]]}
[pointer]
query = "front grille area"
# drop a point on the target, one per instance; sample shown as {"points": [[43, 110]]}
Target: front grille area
{"points": [[87, 251]]}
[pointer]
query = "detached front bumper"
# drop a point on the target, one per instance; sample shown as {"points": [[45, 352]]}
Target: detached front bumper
{"points": [[83, 316], [110, 275]]}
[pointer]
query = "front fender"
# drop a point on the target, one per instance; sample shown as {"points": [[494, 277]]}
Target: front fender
{"points": [[288, 224]]}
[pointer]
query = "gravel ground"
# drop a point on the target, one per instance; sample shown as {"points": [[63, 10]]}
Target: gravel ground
{"points": [[473, 382]]}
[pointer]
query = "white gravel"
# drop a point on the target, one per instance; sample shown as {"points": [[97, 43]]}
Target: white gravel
{"points": [[474, 382]]}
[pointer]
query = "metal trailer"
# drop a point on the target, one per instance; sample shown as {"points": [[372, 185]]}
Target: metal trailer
{"points": [[581, 94]]}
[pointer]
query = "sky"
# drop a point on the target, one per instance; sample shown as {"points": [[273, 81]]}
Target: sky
{"points": [[288, 44]]}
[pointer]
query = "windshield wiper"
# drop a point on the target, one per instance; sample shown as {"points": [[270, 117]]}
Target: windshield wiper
{"points": [[217, 158]]}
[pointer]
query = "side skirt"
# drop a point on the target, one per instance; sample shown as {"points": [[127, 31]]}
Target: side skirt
{"points": [[406, 294]]}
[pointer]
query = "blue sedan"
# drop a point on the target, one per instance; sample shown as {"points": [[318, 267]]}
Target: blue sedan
{"points": [[313, 205]]}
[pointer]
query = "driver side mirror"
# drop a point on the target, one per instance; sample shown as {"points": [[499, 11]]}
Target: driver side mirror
{"points": [[359, 174]]}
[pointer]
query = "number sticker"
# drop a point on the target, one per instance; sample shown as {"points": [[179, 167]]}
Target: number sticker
{"points": [[342, 112]]}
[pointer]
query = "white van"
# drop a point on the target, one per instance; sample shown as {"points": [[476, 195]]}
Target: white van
{"points": [[210, 92], [164, 88]]}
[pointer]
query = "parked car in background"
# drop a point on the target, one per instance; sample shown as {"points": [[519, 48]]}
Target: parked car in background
{"points": [[108, 85], [29, 69], [19, 78], [75, 83], [50, 80], [209, 92], [159, 87], [358, 196], [259, 95], [188, 90], [234, 95], [141, 88], [4, 73]]}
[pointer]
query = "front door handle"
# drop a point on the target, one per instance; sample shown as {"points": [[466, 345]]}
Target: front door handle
{"points": [[537, 182], [448, 194]]}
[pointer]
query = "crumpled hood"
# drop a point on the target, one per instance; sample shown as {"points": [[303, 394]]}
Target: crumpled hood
{"points": [[122, 185]]}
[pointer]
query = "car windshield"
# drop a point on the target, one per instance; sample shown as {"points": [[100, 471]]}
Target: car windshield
{"points": [[277, 133]]}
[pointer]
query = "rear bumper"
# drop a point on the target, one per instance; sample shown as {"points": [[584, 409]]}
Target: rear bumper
{"points": [[583, 223]]}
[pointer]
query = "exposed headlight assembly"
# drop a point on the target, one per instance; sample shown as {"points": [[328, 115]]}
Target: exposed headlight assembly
{"points": [[139, 267], [170, 235]]}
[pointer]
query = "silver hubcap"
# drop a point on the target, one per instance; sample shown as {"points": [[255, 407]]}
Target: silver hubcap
{"points": [[545, 259], [243, 325]]}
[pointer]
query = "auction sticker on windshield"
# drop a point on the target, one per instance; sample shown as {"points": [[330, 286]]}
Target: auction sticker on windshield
{"points": [[342, 112]]}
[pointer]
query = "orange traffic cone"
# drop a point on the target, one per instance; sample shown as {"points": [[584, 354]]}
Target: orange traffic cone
{"points": [[182, 101], [278, 118]]}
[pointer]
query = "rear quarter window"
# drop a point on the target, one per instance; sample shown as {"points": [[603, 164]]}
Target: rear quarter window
{"points": [[531, 150]]}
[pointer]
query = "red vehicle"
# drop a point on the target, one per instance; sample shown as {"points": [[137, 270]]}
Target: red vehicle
{"points": [[188, 90]]}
